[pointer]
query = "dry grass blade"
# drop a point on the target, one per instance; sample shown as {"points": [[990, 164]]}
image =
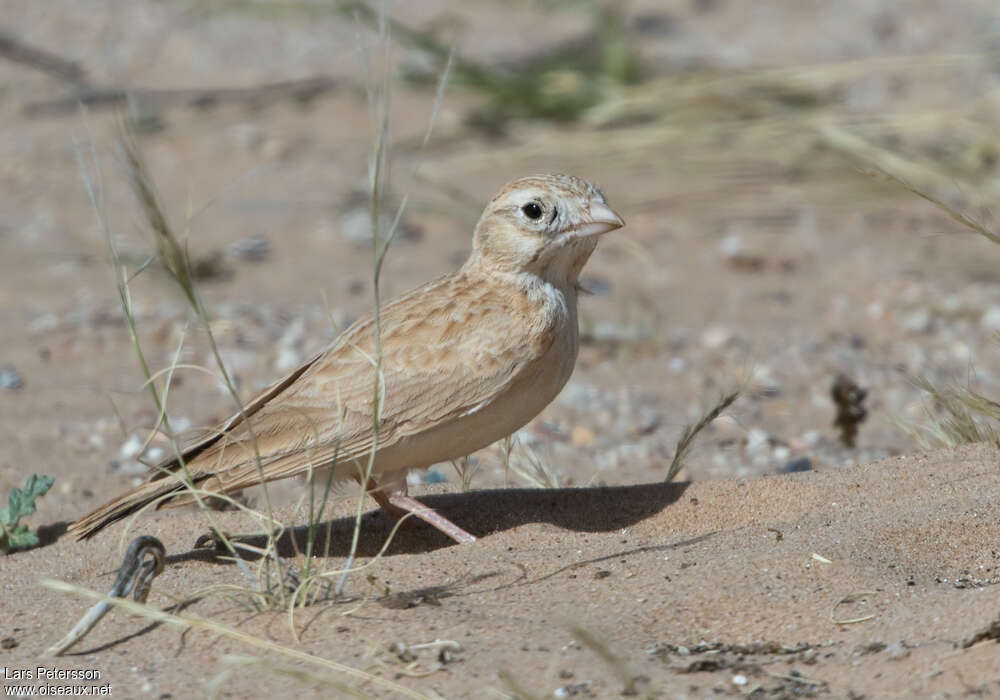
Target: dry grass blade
{"points": [[533, 468], [173, 256], [960, 406], [958, 424], [162, 616], [517, 691], [892, 167], [686, 440], [238, 663], [466, 468], [169, 251], [617, 665], [851, 598]]}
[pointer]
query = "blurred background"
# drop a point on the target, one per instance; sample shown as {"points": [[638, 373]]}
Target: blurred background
{"points": [[751, 147]]}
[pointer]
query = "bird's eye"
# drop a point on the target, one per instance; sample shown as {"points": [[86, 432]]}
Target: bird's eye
{"points": [[532, 210]]}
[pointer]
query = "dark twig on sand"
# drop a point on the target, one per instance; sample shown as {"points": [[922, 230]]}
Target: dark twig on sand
{"points": [[254, 96], [16, 50], [143, 562]]}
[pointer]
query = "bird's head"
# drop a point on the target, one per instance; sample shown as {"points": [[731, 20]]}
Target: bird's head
{"points": [[547, 225]]}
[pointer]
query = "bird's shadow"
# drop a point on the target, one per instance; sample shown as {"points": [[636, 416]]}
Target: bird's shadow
{"points": [[482, 513]]}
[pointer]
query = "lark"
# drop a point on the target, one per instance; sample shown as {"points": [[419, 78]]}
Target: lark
{"points": [[465, 361]]}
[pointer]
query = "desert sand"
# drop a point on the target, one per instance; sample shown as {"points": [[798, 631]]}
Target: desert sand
{"points": [[758, 254]]}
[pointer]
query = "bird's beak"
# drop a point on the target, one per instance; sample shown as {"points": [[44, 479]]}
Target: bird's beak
{"points": [[601, 220]]}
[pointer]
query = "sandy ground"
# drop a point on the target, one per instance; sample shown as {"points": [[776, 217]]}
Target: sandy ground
{"points": [[756, 254]]}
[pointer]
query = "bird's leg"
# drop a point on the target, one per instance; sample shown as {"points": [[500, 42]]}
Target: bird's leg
{"points": [[397, 503]]}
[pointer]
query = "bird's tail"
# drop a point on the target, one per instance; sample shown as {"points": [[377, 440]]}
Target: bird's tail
{"points": [[126, 504]]}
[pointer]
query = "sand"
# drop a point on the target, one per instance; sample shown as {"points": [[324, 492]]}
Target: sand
{"points": [[696, 588], [756, 255]]}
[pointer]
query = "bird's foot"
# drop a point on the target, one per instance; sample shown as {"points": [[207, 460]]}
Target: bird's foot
{"points": [[397, 504]]}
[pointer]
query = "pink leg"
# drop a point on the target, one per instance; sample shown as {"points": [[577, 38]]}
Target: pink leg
{"points": [[397, 504]]}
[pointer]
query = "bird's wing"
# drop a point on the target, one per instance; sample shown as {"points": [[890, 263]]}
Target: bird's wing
{"points": [[448, 349]]}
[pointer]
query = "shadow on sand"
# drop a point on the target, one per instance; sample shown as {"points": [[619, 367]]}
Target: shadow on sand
{"points": [[592, 509]]}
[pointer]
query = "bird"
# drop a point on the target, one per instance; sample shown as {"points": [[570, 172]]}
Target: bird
{"points": [[466, 360]]}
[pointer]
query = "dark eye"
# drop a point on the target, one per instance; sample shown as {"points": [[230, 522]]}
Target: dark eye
{"points": [[532, 210]]}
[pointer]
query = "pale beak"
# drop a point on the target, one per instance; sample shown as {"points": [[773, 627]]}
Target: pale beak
{"points": [[601, 220]]}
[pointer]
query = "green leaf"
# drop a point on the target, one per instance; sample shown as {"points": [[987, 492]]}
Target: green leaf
{"points": [[23, 538], [22, 503]]}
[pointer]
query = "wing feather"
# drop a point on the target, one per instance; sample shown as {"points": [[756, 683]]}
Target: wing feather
{"points": [[448, 349]]}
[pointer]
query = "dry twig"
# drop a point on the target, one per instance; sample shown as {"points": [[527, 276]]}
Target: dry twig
{"points": [[143, 562]]}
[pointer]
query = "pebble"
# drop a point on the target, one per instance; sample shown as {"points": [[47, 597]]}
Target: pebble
{"points": [[731, 245], [252, 248], [612, 332], [130, 448], [757, 441], [581, 436], [812, 437], [990, 320], [572, 689], [432, 476], [128, 466], [287, 359], [597, 285], [10, 378], [802, 464], [918, 321], [897, 651], [355, 225], [715, 337], [649, 420]]}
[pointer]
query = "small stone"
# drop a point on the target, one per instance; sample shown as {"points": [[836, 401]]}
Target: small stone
{"points": [[571, 689], [130, 448], [731, 245], [990, 320], [355, 223], [802, 464], [597, 285], [274, 148], [128, 466], [715, 337], [288, 359], [757, 441], [897, 651], [812, 437], [434, 477], [918, 321], [581, 436], [739, 679], [10, 378], [252, 248], [649, 420]]}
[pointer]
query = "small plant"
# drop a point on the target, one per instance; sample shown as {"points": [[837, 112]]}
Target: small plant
{"points": [[533, 468], [957, 414], [22, 503], [561, 84], [687, 437], [466, 467]]}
